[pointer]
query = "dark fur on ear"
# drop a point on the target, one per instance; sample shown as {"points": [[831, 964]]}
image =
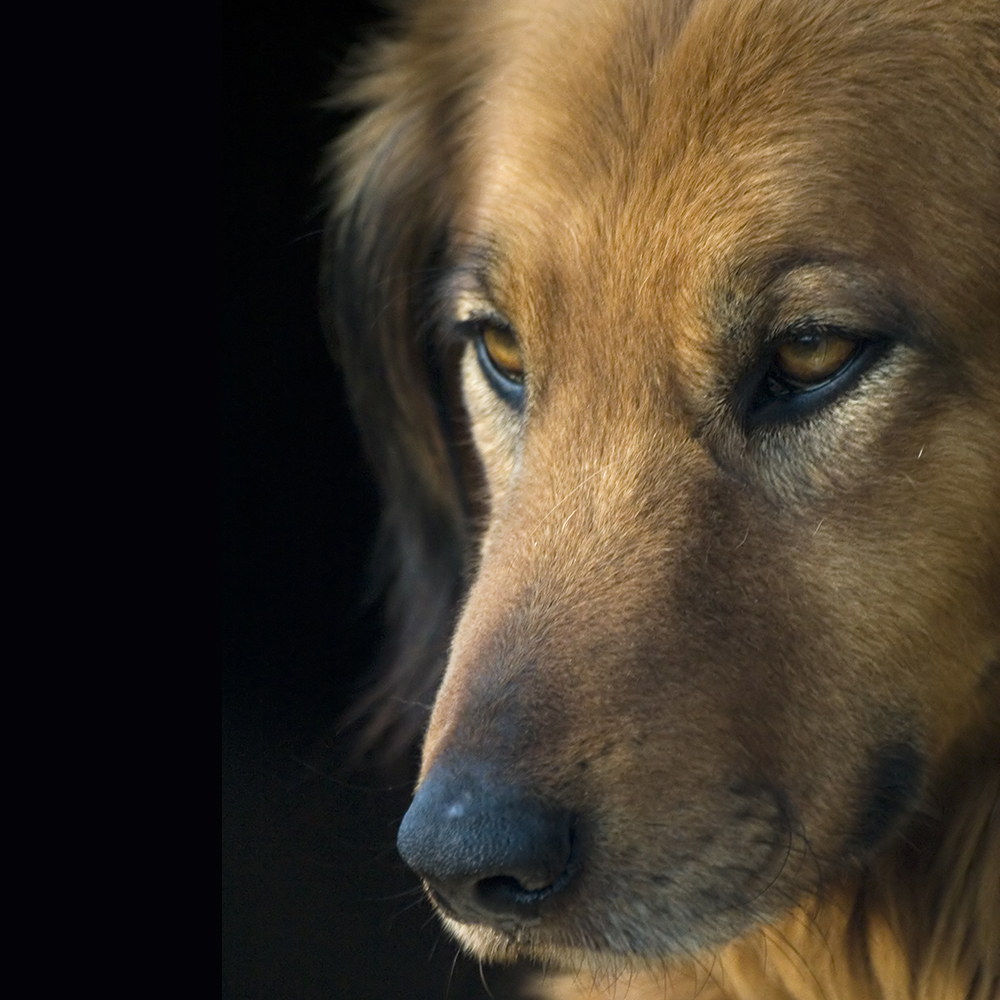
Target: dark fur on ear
{"points": [[383, 251]]}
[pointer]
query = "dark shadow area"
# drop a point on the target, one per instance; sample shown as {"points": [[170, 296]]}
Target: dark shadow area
{"points": [[316, 904]]}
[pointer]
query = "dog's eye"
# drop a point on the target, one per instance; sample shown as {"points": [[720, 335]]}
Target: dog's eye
{"points": [[811, 358], [504, 352], [808, 369], [502, 361]]}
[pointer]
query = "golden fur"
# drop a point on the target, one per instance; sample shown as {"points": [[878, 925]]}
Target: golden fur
{"points": [[756, 657]]}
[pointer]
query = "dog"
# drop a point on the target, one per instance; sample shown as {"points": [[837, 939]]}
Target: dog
{"points": [[672, 328]]}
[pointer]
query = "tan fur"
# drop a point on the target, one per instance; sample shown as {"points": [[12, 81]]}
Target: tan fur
{"points": [[910, 927], [702, 639]]}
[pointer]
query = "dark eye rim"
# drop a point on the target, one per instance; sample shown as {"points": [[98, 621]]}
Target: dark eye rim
{"points": [[770, 397], [510, 390]]}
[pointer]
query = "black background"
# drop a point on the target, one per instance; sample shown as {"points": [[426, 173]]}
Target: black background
{"points": [[316, 903]]}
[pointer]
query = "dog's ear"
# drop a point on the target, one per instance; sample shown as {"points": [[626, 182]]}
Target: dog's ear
{"points": [[383, 252]]}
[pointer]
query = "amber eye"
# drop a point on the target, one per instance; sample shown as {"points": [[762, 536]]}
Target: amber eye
{"points": [[812, 358], [504, 352]]}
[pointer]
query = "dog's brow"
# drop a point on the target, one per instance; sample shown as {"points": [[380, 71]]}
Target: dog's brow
{"points": [[465, 289], [470, 305], [805, 288], [475, 259]]}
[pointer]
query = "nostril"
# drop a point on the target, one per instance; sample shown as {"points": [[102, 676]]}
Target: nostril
{"points": [[500, 893], [500, 885]]}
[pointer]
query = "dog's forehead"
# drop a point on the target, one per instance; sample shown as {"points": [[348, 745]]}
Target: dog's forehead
{"points": [[715, 140]]}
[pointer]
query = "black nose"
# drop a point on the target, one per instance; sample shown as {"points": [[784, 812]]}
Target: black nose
{"points": [[490, 852]]}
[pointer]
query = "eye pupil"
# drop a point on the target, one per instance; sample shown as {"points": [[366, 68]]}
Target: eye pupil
{"points": [[504, 352], [813, 357]]}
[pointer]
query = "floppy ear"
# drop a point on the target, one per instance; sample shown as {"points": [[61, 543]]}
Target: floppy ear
{"points": [[383, 252]]}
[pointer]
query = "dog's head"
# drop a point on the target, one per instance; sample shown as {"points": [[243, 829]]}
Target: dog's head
{"points": [[675, 337]]}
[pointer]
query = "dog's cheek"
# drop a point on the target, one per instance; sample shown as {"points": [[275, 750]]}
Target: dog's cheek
{"points": [[908, 589]]}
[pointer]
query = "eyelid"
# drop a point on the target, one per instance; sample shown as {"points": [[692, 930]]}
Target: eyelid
{"points": [[471, 325], [846, 295], [468, 327], [471, 307]]}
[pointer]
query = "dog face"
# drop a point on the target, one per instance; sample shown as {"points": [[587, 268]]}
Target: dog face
{"points": [[714, 290]]}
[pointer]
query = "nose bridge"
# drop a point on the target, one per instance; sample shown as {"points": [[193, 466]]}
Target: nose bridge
{"points": [[604, 482], [571, 577]]}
